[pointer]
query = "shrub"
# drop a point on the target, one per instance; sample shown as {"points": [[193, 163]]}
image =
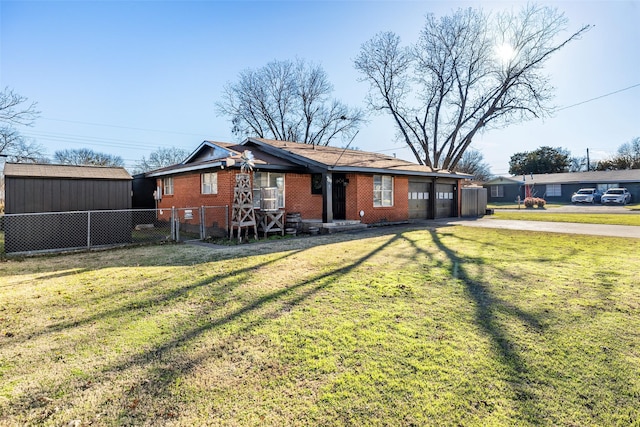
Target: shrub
{"points": [[530, 202]]}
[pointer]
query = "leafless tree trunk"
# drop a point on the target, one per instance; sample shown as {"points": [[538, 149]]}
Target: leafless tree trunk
{"points": [[467, 72]]}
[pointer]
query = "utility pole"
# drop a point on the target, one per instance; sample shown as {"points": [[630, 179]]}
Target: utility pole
{"points": [[588, 163]]}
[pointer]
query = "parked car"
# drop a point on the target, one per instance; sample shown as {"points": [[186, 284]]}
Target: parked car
{"points": [[616, 195], [586, 195]]}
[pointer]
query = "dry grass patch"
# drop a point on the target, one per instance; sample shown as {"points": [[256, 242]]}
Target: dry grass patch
{"points": [[392, 326]]}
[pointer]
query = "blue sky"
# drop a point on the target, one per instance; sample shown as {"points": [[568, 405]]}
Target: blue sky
{"points": [[125, 77]]}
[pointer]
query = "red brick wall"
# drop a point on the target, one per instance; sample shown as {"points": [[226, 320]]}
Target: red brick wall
{"points": [[360, 197], [298, 197], [187, 192]]}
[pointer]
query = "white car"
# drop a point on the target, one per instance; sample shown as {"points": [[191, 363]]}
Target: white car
{"points": [[616, 195], [586, 195]]}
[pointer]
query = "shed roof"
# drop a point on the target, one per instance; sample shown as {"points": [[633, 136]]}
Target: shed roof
{"points": [[37, 170]]}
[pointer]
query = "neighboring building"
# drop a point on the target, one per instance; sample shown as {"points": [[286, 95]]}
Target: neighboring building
{"points": [[559, 187], [47, 206], [323, 184], [31, 187]]}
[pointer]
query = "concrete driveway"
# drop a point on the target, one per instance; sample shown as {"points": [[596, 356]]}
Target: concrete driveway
{"points": [[550, 227], [587, 208]]}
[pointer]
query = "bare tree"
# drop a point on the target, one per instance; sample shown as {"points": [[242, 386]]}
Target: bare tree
{"points": [[85, 156], [468, 72], [26, 151], [160, 158], [626, 157], [472, 162], [288, 101], [15, 110]]}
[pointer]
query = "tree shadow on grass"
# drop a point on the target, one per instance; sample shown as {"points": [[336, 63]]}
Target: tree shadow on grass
{"points": [[166, 362], [153, 300], [487, 306]]}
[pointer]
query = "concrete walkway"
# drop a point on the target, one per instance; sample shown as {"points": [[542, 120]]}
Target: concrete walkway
{"points": [[551, 227]]}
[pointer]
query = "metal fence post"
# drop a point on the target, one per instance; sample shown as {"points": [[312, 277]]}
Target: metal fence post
{"points": [[226, 219], [203, 228], [89, 229], [173, 225]]}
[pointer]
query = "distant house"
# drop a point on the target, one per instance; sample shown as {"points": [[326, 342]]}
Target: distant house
{"points": [[31, 188], [559, 187], [324, 184]]}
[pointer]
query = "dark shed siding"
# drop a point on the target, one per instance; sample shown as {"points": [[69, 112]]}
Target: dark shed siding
{"points": [[27, 195], [143, 189]]}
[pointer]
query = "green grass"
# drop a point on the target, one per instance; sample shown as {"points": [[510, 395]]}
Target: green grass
{"points": [[393, 326], [586, 218]]}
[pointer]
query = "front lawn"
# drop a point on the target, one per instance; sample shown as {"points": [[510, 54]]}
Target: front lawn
{"points": [[389, 327]]}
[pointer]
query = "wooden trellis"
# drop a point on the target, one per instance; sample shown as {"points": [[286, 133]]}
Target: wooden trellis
{"points": [[243, 214]]}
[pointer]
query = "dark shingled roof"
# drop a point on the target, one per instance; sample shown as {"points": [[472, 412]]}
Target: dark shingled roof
{"points": [[340, 157], [36, 170], [287, 155]]}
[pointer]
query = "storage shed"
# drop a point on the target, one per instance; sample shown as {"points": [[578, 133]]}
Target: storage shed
{"points": [[31, 188], [48, 207]]}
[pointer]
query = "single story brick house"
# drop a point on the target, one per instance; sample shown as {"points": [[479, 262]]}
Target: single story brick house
{"points": [[324, 184], [559, 187]]}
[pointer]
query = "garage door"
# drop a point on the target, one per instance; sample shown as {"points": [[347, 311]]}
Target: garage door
{"points": [[444, 201], [419, 200]]}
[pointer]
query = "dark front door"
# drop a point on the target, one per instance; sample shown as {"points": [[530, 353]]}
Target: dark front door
{"points": [[339, 196]]}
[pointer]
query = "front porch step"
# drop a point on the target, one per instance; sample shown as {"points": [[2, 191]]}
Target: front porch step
{"points": [[340, 226]]}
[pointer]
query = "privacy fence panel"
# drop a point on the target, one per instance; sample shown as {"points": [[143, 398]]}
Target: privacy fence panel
{"points": [[474, 202]]}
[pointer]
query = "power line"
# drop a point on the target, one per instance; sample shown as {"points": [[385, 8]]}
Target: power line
{"points": [[90, 140], [120, 127], [599, 97]]}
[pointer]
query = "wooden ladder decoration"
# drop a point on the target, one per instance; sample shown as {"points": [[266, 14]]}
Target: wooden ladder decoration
{"points": [[243, 214]]}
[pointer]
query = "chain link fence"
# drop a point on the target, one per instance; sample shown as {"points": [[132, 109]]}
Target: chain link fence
{"points": [[197, 223], [57, 231]]}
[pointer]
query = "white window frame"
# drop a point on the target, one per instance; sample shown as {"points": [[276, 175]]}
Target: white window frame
{"points": [[497, 191], [167, 186], [382, 191], [553, 190], [209, 183], [268, 179]]}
